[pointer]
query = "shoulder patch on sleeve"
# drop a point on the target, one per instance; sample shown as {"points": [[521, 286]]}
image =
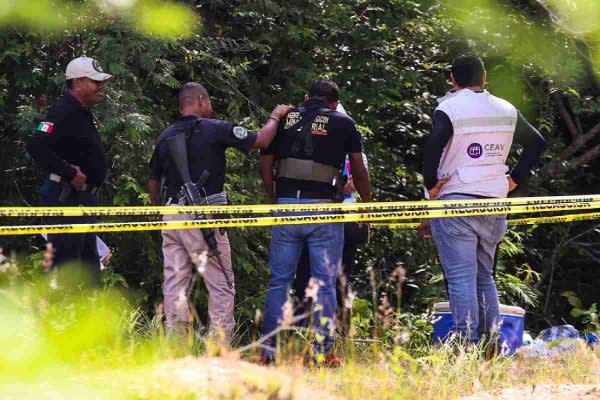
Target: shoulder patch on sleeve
{"points": [[45, 127], [240, 133]]}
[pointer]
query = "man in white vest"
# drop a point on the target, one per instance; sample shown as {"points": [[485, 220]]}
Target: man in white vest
{"points": [[465, 158]]}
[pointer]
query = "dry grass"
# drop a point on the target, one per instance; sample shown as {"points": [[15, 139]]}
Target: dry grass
{"points": [[369, 374], [92, 346], [445, 375]]}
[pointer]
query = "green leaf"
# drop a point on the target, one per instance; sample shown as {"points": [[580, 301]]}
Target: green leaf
{"points": [[576, 312], [572, 298], [116, 69]]}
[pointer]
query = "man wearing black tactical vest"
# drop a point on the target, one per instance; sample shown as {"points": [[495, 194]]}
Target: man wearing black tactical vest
{"points": [[308, 154], [208, 139]]}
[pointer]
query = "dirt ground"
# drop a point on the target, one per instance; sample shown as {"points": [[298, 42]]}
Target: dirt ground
{"points": [[228, 378], [187, 378], [542, 392], [215, 378]]}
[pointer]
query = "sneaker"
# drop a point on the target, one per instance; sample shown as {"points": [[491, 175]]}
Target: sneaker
{"points": [[332, 360]]}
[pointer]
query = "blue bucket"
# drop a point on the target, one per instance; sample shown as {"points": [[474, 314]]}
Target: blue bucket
{"points": [[511, 332]]}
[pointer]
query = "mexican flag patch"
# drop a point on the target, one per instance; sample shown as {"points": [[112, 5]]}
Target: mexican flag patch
{"points": [[46, 127]]}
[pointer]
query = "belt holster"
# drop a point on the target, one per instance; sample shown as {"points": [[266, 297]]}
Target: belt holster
{"points": [[338, 188]]}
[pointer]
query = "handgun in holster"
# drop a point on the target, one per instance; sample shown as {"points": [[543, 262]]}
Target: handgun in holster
{"points": [[339, 181]]}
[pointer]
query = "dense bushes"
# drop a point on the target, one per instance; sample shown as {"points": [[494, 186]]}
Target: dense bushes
{"points": [[390, 58]]}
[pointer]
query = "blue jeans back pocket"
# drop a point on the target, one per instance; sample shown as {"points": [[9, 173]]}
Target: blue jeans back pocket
{"points": [[500, 227]]}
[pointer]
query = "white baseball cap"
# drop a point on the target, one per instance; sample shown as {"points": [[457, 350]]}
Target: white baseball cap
{"points": [[85, 67]]}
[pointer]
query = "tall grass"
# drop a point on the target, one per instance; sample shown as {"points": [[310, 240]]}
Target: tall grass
{"points": [[445, 374], [60, 339]]}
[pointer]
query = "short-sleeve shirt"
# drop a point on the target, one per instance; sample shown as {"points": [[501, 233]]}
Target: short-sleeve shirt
{"points": [[208, 141], [68, 136], [333, 134]]}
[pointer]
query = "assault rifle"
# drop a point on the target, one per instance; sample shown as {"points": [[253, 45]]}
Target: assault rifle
{"points": [[190, 192]]}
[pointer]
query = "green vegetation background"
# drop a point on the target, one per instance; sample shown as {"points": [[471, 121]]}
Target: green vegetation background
{"points": [[390, 58]]}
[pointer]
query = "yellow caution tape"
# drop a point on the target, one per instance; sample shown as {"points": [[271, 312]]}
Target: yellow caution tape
{"points": [[519, 221], [293, 220], [273, 208], [555, 219], [392, 225]]}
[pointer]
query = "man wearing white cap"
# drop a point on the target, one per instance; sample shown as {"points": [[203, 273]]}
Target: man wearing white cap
{"points": [[67, 145]]}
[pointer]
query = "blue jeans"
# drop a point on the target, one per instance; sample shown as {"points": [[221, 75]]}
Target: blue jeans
{"points": [[467, 248], [325, 243]]}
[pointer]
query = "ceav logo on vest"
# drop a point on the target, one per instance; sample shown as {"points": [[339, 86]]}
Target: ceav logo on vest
{"points": [[474, 150]]}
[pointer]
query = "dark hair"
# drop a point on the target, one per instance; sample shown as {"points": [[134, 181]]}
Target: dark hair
{"points": [[468, 70], [189, 91], [325, 89], [69, 84]]}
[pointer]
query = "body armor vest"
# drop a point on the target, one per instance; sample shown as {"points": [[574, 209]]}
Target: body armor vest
{"points": [[296, 164]]}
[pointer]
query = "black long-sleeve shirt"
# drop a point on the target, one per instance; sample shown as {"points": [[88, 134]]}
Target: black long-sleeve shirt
{"points": [[442, 131], [68, 136]]}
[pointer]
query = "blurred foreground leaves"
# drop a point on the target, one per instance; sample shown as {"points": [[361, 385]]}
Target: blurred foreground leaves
{"points": [[390, 58], [161, 18]]}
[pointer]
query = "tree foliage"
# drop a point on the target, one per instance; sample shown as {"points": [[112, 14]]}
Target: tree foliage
{"points": [[390, 58]]}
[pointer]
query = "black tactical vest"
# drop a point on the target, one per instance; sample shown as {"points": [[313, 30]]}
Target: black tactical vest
{"points": [[296, 170]]}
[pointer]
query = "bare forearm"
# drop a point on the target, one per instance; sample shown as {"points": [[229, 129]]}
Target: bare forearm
{"points": [[267, 133], [265, 136], [266, 174], [360, 176], [268, 186], [363, 185], [154, 191]]}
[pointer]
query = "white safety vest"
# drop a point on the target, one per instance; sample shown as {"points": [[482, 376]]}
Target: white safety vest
{"points": [[475, 157]]}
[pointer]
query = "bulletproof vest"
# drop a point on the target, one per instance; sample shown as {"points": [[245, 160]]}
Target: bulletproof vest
{"points": [[296, 152], [475, 157]]}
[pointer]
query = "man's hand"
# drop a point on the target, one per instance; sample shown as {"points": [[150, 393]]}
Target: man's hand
{"points": [[424, 229], [266, 135], [512, 185], [349, 187], [79, 178], [281, 109], [433, 192]]}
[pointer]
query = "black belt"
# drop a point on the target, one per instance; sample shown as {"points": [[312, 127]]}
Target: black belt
{"points": [[68, 191], [303, 194], [90, 189]]}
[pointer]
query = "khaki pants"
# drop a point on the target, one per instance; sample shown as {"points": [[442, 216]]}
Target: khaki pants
{"points": [[182, 250]]}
